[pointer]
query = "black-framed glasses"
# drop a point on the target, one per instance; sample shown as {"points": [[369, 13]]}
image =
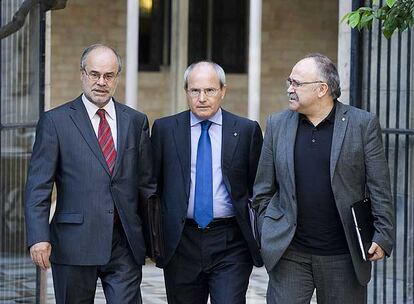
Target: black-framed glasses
{"points": [[296, 84], [95, 76], [209, 92]]}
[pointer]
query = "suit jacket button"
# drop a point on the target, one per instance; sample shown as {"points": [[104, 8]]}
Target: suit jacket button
{"points": [[111, 211]]}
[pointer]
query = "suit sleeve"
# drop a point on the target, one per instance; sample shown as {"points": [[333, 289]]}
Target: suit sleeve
{"points": [[379, 188], [40, 180], [254, 155], [157, 155], [265, 185], [147, 185]]}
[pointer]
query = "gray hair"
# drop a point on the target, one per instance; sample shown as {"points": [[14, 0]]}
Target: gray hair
{"points": [[328, 72], [219, 71], [97, 46]]}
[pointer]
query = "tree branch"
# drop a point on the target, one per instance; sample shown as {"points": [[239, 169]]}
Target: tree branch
{"points": [[20, 16], [18, 19], [53, 4]]}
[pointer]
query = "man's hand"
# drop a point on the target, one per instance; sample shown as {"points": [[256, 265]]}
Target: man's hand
{"points": [[40, 253], [375, 252]]}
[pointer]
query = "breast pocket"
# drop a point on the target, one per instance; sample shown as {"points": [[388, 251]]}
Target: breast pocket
{"points": [[131, 149]]}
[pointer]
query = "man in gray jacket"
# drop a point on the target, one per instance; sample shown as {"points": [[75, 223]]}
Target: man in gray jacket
{"points": [[318, 158]]}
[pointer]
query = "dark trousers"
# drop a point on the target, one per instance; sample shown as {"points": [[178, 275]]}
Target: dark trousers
{"points": [[214, 262], [297, 274], [120, 277]]}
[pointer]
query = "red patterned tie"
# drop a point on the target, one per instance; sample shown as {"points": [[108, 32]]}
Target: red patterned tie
{"points": [[106, 141]]}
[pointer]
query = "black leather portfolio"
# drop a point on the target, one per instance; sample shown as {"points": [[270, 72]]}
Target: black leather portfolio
{"points": [[364, 225], [153, 229], [253, 222]]}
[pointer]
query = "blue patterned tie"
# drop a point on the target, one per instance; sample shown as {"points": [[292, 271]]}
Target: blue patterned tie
{"points": [[203, 200]]}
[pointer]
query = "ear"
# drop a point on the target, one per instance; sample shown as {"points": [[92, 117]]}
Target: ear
{"points": [[223, 91], [323, 90]]}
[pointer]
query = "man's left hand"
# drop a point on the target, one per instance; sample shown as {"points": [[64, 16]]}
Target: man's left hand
{"points": [[375, 252]]}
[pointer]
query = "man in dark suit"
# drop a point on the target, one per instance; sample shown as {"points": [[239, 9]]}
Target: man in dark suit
{"points": [[205, 164], [98, 153], [318, 158]]}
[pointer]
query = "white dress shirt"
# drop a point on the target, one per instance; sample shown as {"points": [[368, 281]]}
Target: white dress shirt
{"points": [[222, 206], [110, 115]]}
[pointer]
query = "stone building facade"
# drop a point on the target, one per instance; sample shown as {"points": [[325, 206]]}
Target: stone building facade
{"points": [[290, 30]]}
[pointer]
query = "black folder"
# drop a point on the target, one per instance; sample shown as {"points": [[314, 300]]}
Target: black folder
{"points": [[153, 229], [364, 225], [253, 222]]}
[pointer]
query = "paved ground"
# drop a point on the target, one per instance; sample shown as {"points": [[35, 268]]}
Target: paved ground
{"points": [[18, 277], [153, 291], [18, 285]]}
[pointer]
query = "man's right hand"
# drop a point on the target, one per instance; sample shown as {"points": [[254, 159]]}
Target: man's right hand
{"points": [[40, 253]]}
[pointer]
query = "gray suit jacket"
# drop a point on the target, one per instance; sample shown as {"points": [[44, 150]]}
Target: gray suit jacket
{"points": [[67, 152], [358, 167]]}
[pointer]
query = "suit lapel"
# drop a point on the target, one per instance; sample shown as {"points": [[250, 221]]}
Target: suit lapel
{"points": [[81, 119], [341, 123], [122, 124], [230, 139], [291, 129], [182, 139]]}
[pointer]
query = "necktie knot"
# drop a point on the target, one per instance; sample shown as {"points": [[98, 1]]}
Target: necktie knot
{"points": [[101, 113], [205, 125]]}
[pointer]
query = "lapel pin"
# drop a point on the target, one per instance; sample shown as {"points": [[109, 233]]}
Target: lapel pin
{"points": [[235, 134], [343, 118]]}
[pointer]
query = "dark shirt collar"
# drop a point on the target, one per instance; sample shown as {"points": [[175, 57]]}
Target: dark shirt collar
{"points": [[330, 118]]}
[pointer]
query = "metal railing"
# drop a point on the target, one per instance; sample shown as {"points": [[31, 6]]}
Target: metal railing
{"points": [[21, 102], [383, 84]]}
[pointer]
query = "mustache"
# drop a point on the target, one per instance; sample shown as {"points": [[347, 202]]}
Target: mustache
{"points": [[293, 96], [101, 90]]}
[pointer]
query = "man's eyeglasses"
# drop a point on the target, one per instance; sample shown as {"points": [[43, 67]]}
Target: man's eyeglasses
{"points": [[209, 92], [95, 76], [296, 84]]}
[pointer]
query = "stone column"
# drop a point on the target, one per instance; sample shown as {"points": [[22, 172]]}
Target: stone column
{"points": [[131, 62], [255, 40], [179, 53], [344, 50]]}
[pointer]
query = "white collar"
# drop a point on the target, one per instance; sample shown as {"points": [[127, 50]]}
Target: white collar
{"points": [[216, 118], [92, 108]]}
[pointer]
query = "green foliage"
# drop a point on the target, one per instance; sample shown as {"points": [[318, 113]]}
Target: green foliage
{"points": [[395, 14]]}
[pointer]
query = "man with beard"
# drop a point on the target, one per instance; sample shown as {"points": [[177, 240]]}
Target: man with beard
{"points": [[318, 158], [98, 153]]}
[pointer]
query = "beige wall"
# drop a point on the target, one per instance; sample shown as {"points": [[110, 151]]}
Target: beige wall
{"points": [[82, 23], [289, 31], [85, 22]]}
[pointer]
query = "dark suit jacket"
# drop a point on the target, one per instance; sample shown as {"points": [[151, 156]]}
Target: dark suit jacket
{"points": [[67, 152], [357, 167], [241, 145]]}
